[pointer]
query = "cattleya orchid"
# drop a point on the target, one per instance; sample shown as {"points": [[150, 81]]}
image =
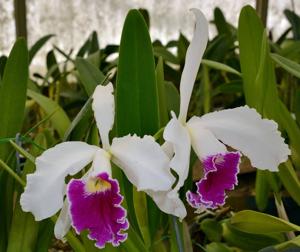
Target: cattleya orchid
{"points": [[93, 202], [241, 128]]}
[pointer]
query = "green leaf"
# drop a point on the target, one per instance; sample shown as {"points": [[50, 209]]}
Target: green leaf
{"points": [[262, 189], [217, 247], [220, 22], [172, 97], [160, 51], [24, 230], [220, 66], [294, 19], [212, 229], [250, 32], [52, 65], [38, 45], [248, 241], [136, 95], [137, 101], [13, 94], [290, 180], [59, 120], [235, 86], [85, 110], [260, 223], [289, 65], [3, 60], [163, 112], [89, 75]]}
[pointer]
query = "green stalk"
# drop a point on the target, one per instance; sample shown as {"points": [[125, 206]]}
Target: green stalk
{"points": [[12, 173], [177, 233]]}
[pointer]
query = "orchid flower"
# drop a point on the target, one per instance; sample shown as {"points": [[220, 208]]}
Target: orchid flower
{"points": [[93, 202], [241, 128]]}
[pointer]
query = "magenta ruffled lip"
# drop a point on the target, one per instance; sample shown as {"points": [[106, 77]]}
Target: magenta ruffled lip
{"points": [[220, 175], [95, 205]]}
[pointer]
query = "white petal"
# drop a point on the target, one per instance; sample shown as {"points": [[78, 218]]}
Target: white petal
{"points": [[167, 147], [178, 135], [243, 129], [101, 163], [193, 58], [104, 111], [45, 188], [143, 161], [63, 223], [203, 141], [169, 202]]}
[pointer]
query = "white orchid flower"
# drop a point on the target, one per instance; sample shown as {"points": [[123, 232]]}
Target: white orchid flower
{"points": [[241, 128], [93, 202]]}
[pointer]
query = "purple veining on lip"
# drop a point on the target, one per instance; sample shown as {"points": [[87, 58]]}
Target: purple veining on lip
{"points": [[99, 211], [220, 174]]}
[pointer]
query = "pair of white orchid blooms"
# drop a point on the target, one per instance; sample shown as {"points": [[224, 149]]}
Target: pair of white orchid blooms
{"points": [[147, 164]]}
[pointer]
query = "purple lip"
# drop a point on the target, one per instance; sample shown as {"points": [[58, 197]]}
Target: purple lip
{"points": [[95, 205], [220, 174]]}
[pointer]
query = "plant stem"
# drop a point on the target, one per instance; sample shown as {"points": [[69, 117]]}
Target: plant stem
{"points": [[12, 173], [177, 233]]}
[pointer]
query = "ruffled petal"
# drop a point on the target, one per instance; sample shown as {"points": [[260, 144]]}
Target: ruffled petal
{"points": [[95, 205], [220, 174], [243, 129], [193, 58], [63, 222], [143, 161], [104, 111], [45, 188], [169, 202], [178, 135], [203, 141]]}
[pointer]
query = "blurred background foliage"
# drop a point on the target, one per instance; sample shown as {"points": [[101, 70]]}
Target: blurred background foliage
{"points": [[242, 65]]}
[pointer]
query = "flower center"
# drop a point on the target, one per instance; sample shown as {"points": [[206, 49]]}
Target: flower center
{"points": [[218, 160], [96, 184]]}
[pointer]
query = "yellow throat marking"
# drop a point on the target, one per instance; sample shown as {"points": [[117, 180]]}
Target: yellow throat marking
{"points": [[96, 184]]}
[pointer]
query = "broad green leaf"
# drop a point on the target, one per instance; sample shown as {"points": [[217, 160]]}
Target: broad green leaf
{"points": [[13, 94], [136, 95], [248, 241], [260, 223], [89, 75], [38, 45], [13, 87], [59, 120], [220, 66], [259, 80], [250, 32], [289, 65]]}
